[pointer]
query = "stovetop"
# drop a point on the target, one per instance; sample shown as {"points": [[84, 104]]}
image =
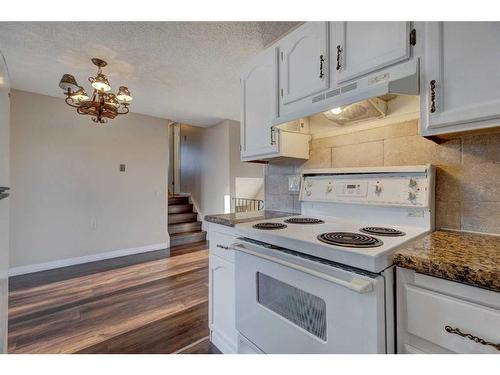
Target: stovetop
{"points": [[374, 254]]}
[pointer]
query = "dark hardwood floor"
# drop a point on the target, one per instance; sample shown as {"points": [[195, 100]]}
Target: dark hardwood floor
{"points": [[143, 305]]}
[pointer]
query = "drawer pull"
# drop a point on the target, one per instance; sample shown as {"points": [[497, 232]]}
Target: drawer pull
{"points": [[479, 340], [223, 247]]}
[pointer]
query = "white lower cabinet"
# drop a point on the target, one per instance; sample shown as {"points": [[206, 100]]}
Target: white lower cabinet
{"points": [[222, 309], [440, 316]]}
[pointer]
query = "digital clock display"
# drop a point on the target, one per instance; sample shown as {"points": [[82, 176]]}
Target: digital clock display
{"points": [[351, 186]]}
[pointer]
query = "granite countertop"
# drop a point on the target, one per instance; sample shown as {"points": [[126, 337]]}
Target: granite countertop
{"points": [[463, 257], [231, 220]]}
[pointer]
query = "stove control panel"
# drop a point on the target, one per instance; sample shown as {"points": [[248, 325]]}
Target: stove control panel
{"points": [[403, 189]]}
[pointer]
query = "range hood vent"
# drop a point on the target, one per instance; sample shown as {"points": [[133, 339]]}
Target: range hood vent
{"points": [[401, 79], [374, 108]]}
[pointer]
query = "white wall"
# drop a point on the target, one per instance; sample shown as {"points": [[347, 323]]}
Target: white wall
{"points": [[4, 203], [69, 198], [205, 166], [210, 163]]}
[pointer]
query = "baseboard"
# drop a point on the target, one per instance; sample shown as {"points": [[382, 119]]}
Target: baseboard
{"points": [[21, 270]]}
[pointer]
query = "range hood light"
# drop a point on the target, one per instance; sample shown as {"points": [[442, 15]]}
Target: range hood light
{"points": [[336, 111]]}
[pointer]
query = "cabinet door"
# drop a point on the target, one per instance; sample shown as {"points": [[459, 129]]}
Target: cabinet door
{"points": [[222, 304], [364, 47], [259, 98], [460, 87], [304, 67]]}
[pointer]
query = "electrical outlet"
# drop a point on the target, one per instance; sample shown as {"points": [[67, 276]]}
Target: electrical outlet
{"points": [[122, 167]]}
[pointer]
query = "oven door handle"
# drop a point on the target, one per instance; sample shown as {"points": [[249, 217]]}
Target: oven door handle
{"points": [[356, 284]]}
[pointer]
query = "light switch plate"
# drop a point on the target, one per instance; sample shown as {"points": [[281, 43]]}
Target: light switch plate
{"points": [[294, 183]]}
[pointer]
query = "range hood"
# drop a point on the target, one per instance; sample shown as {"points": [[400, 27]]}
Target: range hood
{"points": [[401, 79]]}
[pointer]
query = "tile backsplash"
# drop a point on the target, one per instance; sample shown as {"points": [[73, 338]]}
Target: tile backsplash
{"points": [[467, 170]]}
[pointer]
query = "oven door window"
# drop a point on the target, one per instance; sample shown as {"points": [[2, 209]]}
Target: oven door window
{"points": [[295, 305]]}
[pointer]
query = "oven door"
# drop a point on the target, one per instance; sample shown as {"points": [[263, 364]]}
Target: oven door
{"points": [[290, 304]]}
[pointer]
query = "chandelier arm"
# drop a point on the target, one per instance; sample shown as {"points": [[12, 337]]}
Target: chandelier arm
{"points": [[70, 102], [127, 110]]}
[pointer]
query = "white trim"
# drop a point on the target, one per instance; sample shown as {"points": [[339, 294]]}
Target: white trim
{"points": [[21, 270], [191, 345]]}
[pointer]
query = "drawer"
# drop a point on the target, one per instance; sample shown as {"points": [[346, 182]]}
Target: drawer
{"points": [[220, 245], [429, 312]]}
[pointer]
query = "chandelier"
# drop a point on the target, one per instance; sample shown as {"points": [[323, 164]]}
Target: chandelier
{"points": [[103, 105]]}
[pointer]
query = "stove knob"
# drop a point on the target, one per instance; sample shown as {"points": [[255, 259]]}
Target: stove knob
{"points": [[308, 193], [412, 183], [378, 189], [309, 183], [412, 196], [329, 188]]}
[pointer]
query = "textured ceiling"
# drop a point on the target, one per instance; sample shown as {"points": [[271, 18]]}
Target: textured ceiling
{"points": [[183, 71]]}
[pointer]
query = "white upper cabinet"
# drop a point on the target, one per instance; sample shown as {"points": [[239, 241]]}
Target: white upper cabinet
{"points": [[259, 98], [460, 77], [304, 62], [360, 48]]}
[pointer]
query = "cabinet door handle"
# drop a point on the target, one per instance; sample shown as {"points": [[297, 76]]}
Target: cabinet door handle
{"points": [[479, 340], [339, 51], [433, 96], [273, 136], [321, 61], [222, 247]]}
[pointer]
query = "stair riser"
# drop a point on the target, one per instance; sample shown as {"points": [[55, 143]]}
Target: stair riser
{"points": [[182, 218], [180, 208], [178, 200], [202, 236], [184, 227]]}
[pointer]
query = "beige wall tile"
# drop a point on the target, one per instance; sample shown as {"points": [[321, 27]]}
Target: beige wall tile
{"points": [[369, 154], [449, 183], [481, 149], [407, 150], [418, 150], [481, 182], [447, 215], [320, 158], [376, 134], [481, 216]]}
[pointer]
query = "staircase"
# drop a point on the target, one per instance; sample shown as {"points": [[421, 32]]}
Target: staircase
{"points": [[183, 224]]}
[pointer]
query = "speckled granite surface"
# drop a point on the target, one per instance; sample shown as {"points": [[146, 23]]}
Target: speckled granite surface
{"points": [[231, 220], [464, 257]]}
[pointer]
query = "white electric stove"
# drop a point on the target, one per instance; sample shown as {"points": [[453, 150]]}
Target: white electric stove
{"points": [[322, 281]]}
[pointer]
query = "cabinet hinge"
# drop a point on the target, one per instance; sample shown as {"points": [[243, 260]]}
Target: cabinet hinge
{"points": [[281, 54], [240, 148], [281, 92], [413, 37]]}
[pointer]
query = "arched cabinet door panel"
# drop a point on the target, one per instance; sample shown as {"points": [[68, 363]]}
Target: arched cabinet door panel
{"points": [[259, 99], [304, 62], [360, 48]]}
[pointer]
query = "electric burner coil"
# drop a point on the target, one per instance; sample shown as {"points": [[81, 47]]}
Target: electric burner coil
{"points": [[303, 220], [383, 231], [348, 239], [269, 226]]}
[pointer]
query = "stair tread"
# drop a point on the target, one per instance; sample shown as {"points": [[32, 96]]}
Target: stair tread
{"points": [[188, 233], [184, 227], [196, 222]]}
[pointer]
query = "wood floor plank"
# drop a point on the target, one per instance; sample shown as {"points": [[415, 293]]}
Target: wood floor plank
{"points": [[151, 307], [50, 296]]}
